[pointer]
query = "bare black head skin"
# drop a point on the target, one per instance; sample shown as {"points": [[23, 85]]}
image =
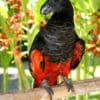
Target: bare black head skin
{"points": [[62, 9]]}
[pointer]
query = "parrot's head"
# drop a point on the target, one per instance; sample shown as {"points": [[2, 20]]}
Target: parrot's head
{"points": [[53, 6]]}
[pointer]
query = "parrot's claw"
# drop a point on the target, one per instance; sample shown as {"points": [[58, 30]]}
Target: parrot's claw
{"points": [[69, 84], [46, 86]]}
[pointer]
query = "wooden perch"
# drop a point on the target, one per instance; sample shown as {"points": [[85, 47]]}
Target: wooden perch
{"points": [[81, 87]]}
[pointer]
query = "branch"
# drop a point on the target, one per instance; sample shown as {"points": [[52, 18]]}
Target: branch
{"points": [[81, 87]]}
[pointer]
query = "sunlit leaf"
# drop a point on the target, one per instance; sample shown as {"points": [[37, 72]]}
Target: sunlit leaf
{"points": [[3, 9]]}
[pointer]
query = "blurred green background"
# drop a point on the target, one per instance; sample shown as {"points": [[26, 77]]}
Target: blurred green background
{"points": [[20, 21]]}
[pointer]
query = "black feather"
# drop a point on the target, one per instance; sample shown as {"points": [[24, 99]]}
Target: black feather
{"points": [[57, 38]]}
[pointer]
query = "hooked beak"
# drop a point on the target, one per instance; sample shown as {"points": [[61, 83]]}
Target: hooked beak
{"points": [[46, 10]]}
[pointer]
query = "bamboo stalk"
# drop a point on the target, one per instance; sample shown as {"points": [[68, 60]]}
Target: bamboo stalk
{"points": [[81, 87]]}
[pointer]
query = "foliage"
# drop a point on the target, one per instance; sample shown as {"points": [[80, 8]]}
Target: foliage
{"points": [[20, 21]]}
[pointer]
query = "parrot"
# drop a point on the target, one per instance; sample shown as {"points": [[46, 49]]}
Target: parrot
{"points": [[56, 49]]}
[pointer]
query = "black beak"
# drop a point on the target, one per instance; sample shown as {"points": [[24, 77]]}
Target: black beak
{"points": [[46, 9]]}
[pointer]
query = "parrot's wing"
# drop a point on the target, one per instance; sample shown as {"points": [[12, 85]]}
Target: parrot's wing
{"points": [[78, 52], [35, 60]]}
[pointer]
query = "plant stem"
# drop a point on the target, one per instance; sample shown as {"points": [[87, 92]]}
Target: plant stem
{"points": [[19, 80], [5, 81], [85, 97], [23, 81], [78, 78]]}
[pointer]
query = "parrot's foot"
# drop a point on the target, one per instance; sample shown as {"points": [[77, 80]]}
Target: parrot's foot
{"points": [[69, 84], [46, 86]]}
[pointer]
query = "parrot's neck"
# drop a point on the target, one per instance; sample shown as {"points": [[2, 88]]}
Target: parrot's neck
{"points": [[65, 15]]}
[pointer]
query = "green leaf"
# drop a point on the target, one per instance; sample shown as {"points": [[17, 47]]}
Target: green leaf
{"points": [[3, 23], [5, 58], [96, 4], [3, 12], [3, 9], [24, 4]]}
